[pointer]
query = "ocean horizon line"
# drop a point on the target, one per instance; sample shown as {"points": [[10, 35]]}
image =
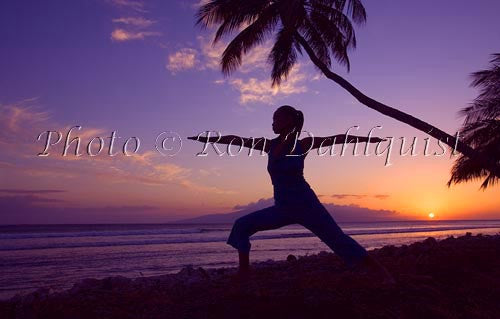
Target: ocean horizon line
{"points": [[215, 223]]}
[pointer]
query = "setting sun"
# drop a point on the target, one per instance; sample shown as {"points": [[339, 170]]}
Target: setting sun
{"points": [[431, 215]]}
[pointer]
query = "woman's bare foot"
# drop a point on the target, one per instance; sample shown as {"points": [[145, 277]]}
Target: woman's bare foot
{"points": [[242, 278], [244, 261], [244, 273], [244, 281]]}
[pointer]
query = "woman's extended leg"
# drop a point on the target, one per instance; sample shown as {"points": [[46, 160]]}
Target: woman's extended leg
{"points": [[268, 218], [319, 221]]}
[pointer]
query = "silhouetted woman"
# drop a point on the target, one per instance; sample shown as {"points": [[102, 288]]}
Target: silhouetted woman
{"points": [[295, 201]]}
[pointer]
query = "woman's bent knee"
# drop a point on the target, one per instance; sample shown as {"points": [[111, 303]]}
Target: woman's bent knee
{"points": [[239, 235], [241, 225]]}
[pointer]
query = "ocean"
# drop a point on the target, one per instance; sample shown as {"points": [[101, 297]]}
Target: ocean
{"points": [[56, 256]]}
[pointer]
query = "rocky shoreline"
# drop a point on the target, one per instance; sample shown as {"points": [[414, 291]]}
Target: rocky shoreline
{"points": [[457, 277]]}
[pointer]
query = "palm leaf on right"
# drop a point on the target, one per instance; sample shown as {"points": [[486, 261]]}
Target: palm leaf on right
{"points": [[481, 128]]}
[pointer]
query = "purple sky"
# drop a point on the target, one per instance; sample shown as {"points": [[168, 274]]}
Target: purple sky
{"points": [[142, 67]]}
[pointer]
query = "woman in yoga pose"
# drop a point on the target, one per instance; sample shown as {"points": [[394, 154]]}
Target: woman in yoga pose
{"points": [[295, 201]]}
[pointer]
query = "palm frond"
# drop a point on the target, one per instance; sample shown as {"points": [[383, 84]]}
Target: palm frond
{"points": [[231, 12], [355, 8], [326, 25], [489, 77], [485, 137], [481, 109], [481, 128], [481, 133], [357, 11], [251, 36], [487, 104], [466, 170], [337, 41], [316, 41], [336, 17], [282, 56]]}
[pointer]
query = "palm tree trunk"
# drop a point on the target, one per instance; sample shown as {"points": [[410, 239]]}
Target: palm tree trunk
{"points": [[433, 131]]}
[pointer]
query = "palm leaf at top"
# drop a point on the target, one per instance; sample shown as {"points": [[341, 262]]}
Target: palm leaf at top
{"points": [[325, 24]]}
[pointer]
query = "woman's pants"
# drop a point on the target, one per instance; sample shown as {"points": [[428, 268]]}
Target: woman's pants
{"points": [[312, 216]]}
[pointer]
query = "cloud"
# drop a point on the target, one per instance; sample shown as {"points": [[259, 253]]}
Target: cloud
{"points": [[255, 90], [145, 158], [132, 27], [169, 170], [23, 121], [160, 173], [18, 209], [184, 59], [216, 171], [248, 80], [122, 35], [255, 59], [343, 196], [208, 57], [137, 6], [359, 196], [199, 3], [261, 203], [317, 77], [20, 147], [139, 22], [29, 198], [354, 213], [15, 117], [31, 191]]}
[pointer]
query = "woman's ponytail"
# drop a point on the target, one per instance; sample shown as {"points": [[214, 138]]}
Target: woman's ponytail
{"points": [[298, 117], [299, 123]]}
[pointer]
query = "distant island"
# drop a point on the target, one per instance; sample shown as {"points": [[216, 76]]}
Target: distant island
{"points": [[341, 213]]}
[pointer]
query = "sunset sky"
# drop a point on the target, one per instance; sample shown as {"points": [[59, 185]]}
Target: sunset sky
{"points": [[142, 67]]}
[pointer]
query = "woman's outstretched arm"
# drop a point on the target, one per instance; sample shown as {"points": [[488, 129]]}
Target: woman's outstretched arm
{"points": [[256, 143], [317, 141]]}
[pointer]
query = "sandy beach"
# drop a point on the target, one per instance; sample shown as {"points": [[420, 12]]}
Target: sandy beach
{"points": [[458, 277]]}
